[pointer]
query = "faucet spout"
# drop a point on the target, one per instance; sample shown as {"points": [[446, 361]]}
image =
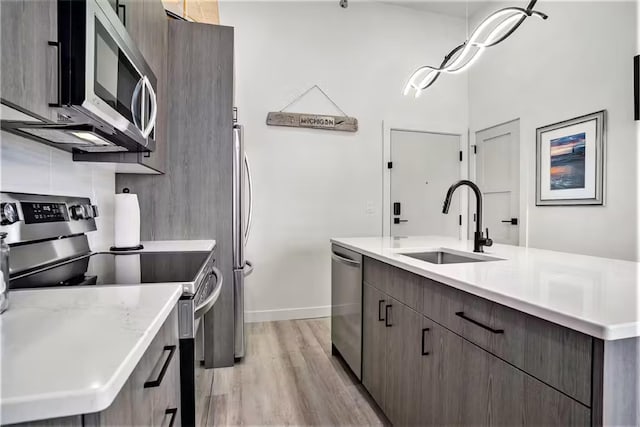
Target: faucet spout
{"points": [[478, 239]]}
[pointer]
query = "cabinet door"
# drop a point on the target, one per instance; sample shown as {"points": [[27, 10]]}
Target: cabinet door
{"points": [[132, 15], [154, 48], [29, 71], [441, 376], [463, 384], [404, 353], [374, 342]]}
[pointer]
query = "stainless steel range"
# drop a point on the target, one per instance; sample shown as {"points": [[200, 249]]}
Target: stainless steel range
{"points": [[49, 248]]}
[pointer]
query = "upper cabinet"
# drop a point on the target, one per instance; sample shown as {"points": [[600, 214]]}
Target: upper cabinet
{"points": [[31, 79], [27, 59], [203, 11]]}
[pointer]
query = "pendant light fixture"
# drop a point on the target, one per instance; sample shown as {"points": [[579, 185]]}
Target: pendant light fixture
{"points": [[493, 30]]}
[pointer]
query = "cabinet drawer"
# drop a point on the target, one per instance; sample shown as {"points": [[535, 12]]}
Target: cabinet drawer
{"points": [[402, 285], [140, 401], [162, 383], [556, 355], [377, 274]]}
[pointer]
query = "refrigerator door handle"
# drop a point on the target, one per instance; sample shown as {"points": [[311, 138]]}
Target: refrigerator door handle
{"points": [[248, 269], [250, 189]]}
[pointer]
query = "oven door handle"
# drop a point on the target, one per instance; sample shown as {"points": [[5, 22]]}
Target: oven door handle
{"points": [[206, 305]]}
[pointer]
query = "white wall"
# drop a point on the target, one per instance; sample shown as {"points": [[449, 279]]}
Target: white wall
{"points": [[31, 167], [312, 185], [577, 62]]}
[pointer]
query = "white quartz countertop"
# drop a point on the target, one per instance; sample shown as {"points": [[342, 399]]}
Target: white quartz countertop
{"points": [[69, 351], [175, 246], [597, 296]]}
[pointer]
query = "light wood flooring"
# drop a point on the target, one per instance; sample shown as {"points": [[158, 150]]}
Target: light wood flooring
{"points": [[288, 377]]}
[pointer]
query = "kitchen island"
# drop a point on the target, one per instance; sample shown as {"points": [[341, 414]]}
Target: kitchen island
{"points": [[69, 352], [522, 336]]}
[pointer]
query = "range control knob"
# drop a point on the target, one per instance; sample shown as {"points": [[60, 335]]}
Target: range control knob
{"points": [[87, 211], [94, 210], [8, 213], [77, 212]]}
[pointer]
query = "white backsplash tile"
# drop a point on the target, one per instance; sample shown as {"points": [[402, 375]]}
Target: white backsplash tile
{"points": [[30, 167], [25, 165]]}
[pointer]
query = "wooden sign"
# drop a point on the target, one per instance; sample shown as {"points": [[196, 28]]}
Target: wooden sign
{"points": [[314, 121]]}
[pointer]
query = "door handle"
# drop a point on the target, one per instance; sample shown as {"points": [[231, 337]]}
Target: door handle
{"points": [[344, 260], [387, 310], [151, 122], [424, 352], [512, 221], [250, 190], [380, 318], [134, 100], [156, 383], [206, 305], [475, 322], [398, 220], [172, 412], [58, 81]]}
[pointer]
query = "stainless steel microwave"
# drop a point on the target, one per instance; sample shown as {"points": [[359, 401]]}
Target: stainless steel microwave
{"points": [[106, 90]]}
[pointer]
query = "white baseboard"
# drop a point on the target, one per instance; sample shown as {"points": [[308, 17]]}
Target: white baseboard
{"points": [[287, 314]]}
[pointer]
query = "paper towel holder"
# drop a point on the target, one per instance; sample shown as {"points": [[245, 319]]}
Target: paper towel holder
{"points": [[129, 248], [132, 248]]}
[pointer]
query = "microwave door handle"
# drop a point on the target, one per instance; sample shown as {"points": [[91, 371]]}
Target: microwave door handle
{"points": [[151, 123], [250, 189], [134, 98]]}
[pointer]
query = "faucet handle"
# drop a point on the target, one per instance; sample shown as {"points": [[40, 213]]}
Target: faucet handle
{"points": [[487, 240]]}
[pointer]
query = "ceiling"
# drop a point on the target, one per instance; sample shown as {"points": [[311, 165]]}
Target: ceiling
{"points": [[446, 7]]}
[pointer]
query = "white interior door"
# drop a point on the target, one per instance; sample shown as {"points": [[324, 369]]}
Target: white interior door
{"points": [[424, 165], [498, 176]]}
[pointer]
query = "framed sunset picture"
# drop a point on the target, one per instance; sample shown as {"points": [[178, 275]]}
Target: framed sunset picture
{"points": [[570, 161]]}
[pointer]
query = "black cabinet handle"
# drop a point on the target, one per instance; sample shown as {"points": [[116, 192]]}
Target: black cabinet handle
{"points": [[124, 12], [475, 322], [172, 412], [424, 352], [380, 318], [58, 47], [386, 315], [512, 221], [156, 383]]}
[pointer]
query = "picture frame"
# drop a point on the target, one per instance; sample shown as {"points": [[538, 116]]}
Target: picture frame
{"points": [[570, 164]]}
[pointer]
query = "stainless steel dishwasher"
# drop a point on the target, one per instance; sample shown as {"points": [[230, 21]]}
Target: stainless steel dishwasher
{"points": [[346, 306]]}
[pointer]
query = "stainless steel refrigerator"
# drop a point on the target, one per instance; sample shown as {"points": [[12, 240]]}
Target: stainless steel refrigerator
{"points": [[242, 210]]}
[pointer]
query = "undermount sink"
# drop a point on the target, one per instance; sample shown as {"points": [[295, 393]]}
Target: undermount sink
{"points": [[443, 256]]}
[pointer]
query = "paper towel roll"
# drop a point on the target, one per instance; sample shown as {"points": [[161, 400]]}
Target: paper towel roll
{"points": [[127, 220]]}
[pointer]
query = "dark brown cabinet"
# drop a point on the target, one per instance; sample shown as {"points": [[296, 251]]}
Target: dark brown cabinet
{"points": [[374, 342], [391, 358], [403, 364], [27, 60], [463, 384], [421, 372]]}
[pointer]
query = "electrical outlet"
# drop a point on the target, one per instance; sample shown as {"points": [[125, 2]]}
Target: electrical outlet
{"points": [[370, 209]]}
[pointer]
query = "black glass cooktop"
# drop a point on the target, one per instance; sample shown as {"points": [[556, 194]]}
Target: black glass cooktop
{"points": [[120, 269]]}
